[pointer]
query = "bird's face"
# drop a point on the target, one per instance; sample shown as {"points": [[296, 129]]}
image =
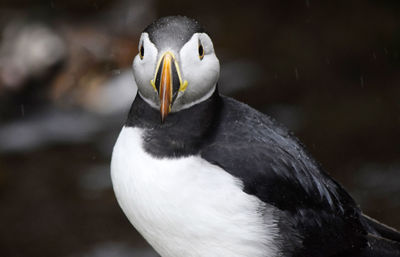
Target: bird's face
{"points": [[176, 66]]}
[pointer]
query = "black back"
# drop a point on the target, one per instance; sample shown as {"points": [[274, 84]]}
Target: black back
{"points": [[316, 216], [271, 163]]}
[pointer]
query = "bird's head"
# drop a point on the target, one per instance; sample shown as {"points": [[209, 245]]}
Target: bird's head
{"points": [[176, 66]]}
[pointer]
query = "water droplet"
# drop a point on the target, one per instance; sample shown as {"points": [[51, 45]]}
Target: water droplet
{"points": [[296, 73], [22, 110]]}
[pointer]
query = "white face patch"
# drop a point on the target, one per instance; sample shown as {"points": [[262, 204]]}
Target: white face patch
{"points": [[144, 68], [201, 72]]}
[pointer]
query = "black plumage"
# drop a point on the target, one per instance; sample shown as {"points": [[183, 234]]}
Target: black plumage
{"points": [[317, 217]]}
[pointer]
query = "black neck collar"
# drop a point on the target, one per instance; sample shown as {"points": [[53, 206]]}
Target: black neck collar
{"points": [[183, 133]]}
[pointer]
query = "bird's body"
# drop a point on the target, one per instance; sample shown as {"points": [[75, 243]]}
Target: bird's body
{"points": [[218, 178], [184, 202], [193, 208]]}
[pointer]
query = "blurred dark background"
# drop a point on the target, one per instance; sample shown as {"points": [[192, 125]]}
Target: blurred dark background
{"points": [[330, 71]]}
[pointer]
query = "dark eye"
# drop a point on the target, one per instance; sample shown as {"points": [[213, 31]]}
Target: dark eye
{"points": [[201, 51], [141, 53]]}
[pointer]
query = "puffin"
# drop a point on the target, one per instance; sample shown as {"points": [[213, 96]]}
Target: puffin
{"points": [[199, 174]]}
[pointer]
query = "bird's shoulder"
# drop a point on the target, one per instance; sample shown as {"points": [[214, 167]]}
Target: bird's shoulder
{"points": [[255, 148], [275, 167]]}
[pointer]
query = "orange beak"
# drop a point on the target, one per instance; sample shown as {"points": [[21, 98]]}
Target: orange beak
{"points": [[167, 82], [165, 89]]}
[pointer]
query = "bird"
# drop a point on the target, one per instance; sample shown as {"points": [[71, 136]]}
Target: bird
{"points": [[201, 174]]}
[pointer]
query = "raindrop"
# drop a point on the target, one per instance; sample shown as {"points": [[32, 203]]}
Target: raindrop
{"points": [[22, 110], [362, 81], [148, 138], [296, 73], [328, 61], [115, 72]]}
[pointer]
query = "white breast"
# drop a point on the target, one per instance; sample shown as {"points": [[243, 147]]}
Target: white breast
{"points": [[188, 207]]}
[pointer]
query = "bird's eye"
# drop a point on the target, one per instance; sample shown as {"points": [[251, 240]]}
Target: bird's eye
{"points": [[141, 52], [201, 51]]}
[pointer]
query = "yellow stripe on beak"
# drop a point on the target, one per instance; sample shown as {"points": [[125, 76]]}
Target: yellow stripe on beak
{"points": [[167, 82]]}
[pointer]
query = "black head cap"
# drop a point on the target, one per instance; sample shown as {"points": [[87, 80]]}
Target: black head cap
{"points": [[173, 31]]}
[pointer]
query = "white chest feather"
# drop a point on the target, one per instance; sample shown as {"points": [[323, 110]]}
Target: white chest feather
{"points": [[188, 207]]}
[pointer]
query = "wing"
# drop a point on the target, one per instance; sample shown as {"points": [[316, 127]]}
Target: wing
{"points": [[380, 246], [383, 230], [274, 167]]}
